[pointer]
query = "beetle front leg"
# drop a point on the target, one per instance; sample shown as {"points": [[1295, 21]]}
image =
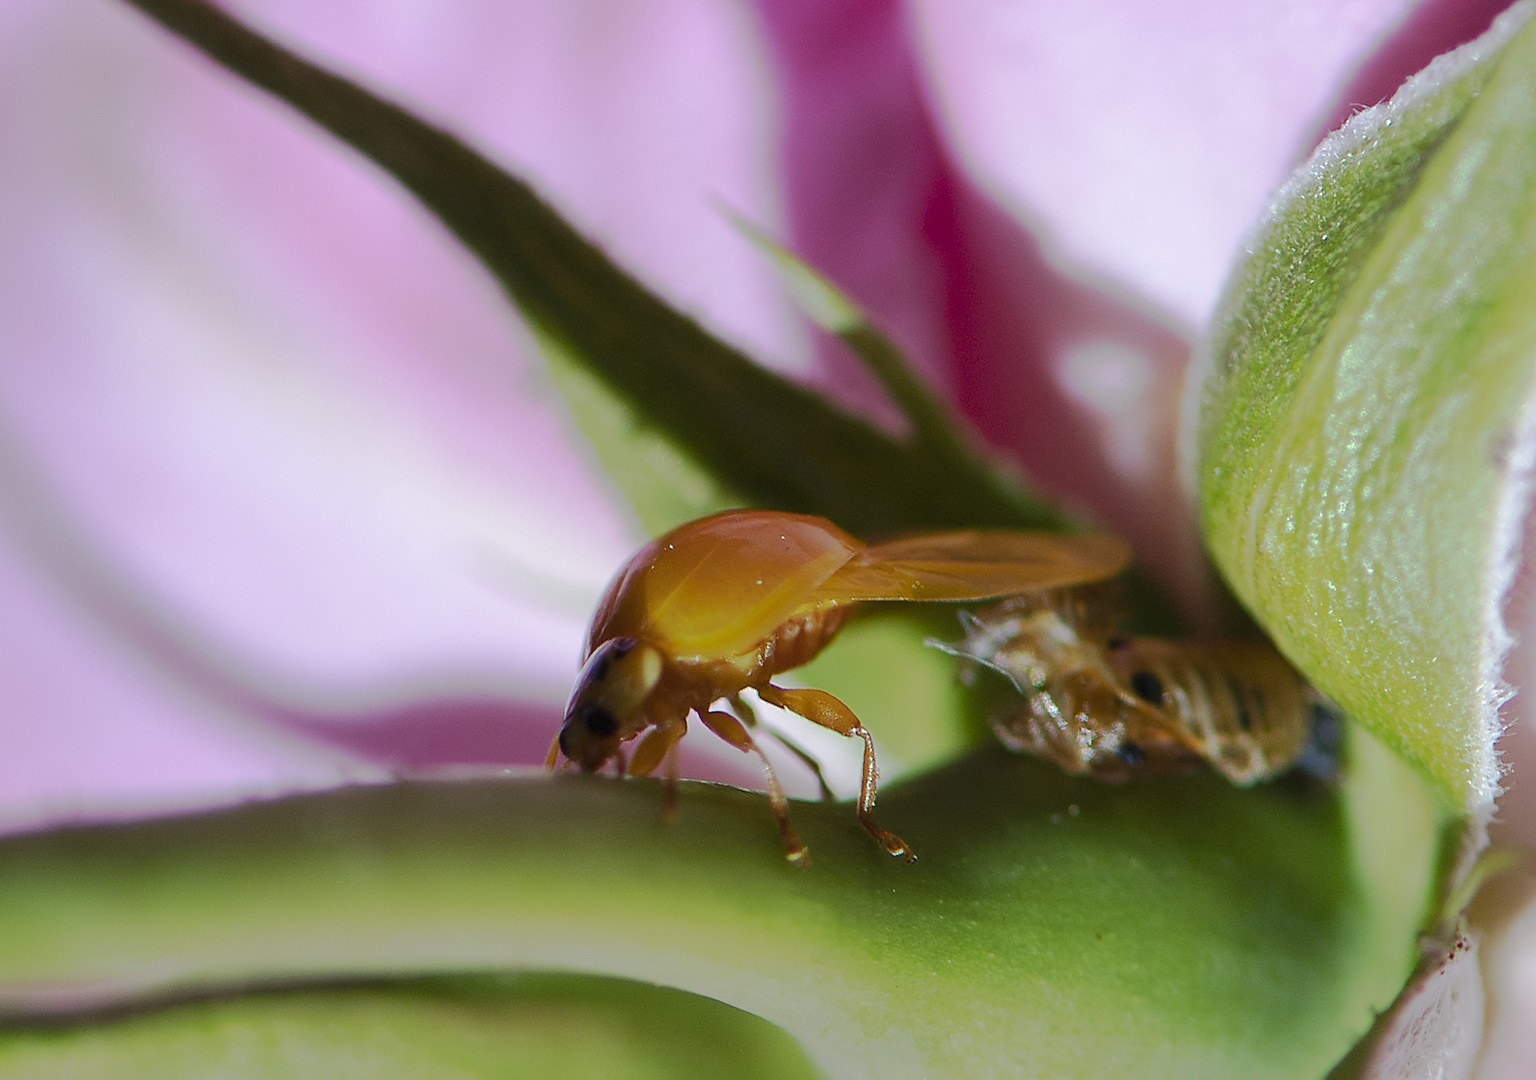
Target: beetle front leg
{"points": [[734, 732], [660, 743], [820, 707], [656, 745]]}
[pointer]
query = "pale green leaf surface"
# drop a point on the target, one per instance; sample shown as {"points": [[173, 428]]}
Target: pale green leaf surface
{"points": [[528, 1027], [1051, 927], [1364, 439]]}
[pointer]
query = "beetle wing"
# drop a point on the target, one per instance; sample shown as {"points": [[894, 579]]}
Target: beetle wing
{"points": [[974, 564]]}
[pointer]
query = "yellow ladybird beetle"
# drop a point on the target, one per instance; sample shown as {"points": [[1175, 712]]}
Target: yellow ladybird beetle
{"points": [[725, 603]]}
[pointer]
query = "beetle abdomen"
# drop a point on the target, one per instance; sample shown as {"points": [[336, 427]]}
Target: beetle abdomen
{"points": [[799, 639]]}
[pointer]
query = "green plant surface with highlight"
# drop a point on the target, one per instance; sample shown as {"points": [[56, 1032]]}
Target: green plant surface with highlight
{"points": [[1051, 927], [523, 1027], [1364, 436]]}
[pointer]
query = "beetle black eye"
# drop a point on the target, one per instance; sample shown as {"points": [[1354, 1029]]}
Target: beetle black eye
{"points": [[597, 720], [1148, 687], [1132, 754]]}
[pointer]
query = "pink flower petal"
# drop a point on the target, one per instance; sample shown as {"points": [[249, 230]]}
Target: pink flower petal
{"points": [[1142, 141], [91, 728], [277, 406]]}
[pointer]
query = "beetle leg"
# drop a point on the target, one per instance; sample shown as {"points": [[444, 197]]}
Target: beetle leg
{"points": [[810, 762], [553, 757], [748, 717], [820, 707], [743, 710], [734, 732], [669, 790], [656, 745]]}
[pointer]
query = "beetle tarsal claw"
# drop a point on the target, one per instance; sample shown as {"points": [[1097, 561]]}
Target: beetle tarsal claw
{"points": [[893, 844], [795, 850]]}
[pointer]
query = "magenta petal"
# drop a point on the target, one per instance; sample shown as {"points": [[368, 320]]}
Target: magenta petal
{"points": [[863, 172]]}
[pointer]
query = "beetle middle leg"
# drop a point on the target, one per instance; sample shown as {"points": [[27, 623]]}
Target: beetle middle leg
{"points": [[820, 707], [734, 732]]}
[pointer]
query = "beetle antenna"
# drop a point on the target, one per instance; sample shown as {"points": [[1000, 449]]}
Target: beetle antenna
{"points": [[946, 647]]}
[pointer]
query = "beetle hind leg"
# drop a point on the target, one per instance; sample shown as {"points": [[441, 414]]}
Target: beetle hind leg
{"points": [[748, 717], [820, 707], [734, 732]]}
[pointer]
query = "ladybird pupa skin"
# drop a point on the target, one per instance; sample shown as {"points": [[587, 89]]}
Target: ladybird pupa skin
{"points": [[1115, 707], [726, 603]]}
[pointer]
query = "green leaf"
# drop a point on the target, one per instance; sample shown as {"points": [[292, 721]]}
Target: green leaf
{"points": [[662, 483], [1052, 926], [944, 435], [934, 424], [760, 437], [501, 1027], [1365, 440]]}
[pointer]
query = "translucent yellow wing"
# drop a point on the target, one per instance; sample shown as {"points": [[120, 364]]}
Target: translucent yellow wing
{"points": [[974, 564]]}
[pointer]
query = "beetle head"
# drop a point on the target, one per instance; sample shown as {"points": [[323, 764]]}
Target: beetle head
{"points": [[611, 689]]}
